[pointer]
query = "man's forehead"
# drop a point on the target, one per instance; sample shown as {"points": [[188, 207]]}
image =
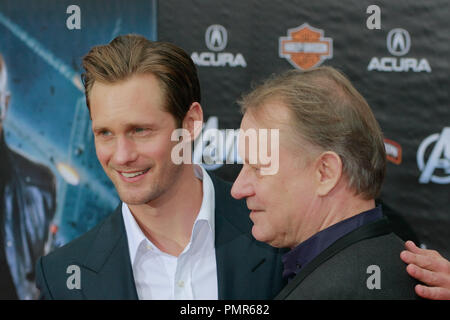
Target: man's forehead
{"points": [[274, 114], [258, 124], [269, 115]]}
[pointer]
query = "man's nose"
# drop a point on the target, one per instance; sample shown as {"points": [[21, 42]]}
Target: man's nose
{"points": [[125, 151], [242, 187]]}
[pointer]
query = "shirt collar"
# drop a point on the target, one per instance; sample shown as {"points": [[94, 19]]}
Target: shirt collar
{"points": [[207, 208], [305, 252], [136, 236]]}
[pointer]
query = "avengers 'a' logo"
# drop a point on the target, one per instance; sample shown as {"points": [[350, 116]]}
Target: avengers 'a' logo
{"points": [[439, 158]]}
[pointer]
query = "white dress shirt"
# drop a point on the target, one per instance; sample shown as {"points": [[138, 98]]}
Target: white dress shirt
{"points": [[191, 275]]}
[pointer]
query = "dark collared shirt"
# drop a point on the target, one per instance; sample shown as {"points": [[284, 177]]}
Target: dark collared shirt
{"points": [[306, 251]]}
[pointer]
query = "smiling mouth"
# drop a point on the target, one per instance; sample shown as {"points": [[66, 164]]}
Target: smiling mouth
{"points": [[133, 174]]}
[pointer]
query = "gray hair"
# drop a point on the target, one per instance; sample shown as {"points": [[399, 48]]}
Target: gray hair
{"points": [[329, 113]]}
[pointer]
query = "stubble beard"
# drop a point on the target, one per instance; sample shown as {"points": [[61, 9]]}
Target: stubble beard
{"points": [[150, 191]]}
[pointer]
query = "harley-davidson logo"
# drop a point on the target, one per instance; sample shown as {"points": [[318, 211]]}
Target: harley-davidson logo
{"points": [[305, 47], [393, 151]]}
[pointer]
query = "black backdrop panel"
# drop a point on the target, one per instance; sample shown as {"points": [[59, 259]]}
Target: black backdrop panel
{"points": [[406, 82]]}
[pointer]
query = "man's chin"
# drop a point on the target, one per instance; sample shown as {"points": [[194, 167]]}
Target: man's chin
{"points": [[258, 235], [261, 236], [135, 200]]}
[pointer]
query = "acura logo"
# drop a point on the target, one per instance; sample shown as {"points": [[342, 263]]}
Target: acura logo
{"points": [[216, 37], [398, 42]]}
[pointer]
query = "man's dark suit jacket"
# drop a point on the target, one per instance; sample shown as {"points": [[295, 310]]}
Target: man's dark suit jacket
{"points": [[343, 270], [246, 268]]}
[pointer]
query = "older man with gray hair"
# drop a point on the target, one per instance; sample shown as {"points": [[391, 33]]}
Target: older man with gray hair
{"points": [[321, 202]]}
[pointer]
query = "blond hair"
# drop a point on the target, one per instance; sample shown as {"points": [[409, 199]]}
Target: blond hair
{"points": [[128, 55]]}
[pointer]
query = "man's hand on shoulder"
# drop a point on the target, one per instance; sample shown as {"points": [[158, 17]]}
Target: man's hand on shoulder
{"points": [[429, 267]]}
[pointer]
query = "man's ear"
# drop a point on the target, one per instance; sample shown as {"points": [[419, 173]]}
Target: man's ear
{"points": [[193, 120], [328, 172]]}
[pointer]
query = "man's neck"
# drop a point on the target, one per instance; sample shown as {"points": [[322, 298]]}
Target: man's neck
{"points": [[335, 208], [168, 221], [346, 208]]}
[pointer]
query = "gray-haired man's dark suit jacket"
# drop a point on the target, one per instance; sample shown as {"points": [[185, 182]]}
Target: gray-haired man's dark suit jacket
{"points": [[354, 267], [246, 268]]}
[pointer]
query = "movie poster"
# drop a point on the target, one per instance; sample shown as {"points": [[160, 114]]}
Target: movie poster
{"points": [[53, 189]]}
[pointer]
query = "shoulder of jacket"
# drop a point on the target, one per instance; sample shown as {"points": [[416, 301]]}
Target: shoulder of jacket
{"points": [[75, 251]]}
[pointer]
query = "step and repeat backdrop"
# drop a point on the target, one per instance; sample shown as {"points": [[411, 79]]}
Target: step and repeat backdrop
{"points": [[395, 53]]}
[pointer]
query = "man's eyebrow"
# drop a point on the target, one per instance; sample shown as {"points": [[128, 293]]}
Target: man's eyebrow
{"points": [[148, 125], [99, 129], [129, 126]]}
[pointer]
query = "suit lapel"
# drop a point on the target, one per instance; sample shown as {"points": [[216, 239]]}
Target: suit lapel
{"points": [[370, 230], [229, 244], [106, 271]]}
